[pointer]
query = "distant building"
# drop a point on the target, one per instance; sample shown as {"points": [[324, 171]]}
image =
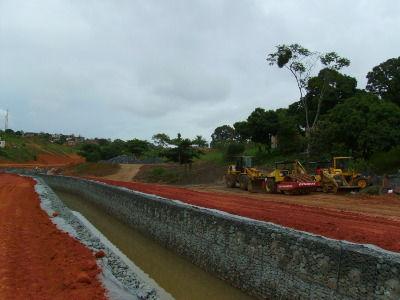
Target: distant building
{"points": [[2, 144]]}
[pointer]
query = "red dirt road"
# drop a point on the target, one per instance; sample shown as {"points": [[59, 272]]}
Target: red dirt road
{"points": [[37, 261], [343, 225]]}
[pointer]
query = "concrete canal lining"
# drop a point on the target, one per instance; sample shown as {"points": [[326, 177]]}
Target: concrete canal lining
{"points": [[176, 275], [262, 259]]}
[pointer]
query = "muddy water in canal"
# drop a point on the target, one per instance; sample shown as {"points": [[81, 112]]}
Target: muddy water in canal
{"points": [[180, 278]]}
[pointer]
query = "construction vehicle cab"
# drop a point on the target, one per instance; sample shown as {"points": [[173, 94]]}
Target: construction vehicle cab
{"points": [[243, 162], [243, 173]]}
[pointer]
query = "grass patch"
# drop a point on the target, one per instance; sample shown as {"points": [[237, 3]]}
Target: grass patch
{"points": [[200, 173], [93, 169], [163, 175], [214, 156]]}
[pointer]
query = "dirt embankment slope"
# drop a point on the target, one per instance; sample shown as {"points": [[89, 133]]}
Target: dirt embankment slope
{"points": [[199, 173], [46, 161], [37, 261], [333, 223]]}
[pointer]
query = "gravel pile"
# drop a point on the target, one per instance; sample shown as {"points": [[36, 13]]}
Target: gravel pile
{"points": [[122, 274]]}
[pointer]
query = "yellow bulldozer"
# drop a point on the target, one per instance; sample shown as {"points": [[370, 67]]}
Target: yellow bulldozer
{"points": [[338, 176], [342, 165], [245, 175]]}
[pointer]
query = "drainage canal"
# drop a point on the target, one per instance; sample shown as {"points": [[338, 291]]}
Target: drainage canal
{"points": [[180, 278]]}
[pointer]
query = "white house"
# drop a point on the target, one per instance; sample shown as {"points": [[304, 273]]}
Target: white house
{"points": [[2, 144]]}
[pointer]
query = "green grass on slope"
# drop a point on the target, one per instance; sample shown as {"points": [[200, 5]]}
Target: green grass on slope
{"points": [[215, 156], [23, 149]]}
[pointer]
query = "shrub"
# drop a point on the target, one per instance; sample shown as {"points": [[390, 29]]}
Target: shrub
{"points": [[386, 162], [233, 149]]}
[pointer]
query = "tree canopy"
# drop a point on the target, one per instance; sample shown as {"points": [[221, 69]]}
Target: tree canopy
{"points": [[327, 89], [222, 135], [331, 116], [181, 150], [384, 80], [262, 124], [301, 62], [361, 126]]}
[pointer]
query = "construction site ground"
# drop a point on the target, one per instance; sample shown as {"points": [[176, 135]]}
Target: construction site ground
{"points": [[48, 160], [355, 218], [373, 205], [38, 261], [126, 172]]}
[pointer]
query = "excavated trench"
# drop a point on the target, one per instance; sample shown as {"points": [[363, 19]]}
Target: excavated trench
{"points": [[180, 278]]}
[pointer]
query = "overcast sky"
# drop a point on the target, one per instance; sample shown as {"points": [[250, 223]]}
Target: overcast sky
{"points": [[124, 69]]}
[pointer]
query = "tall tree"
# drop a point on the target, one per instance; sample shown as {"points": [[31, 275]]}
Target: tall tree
{"points": [[242, 131], [222, 135], [182, 151], [324, 92], [290, 139], [384, 80], [301, 62], [262, 124], [332, 63], [161, 140]]}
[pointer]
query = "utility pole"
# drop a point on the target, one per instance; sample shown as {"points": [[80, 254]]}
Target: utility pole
{"points": [[6, 121]]}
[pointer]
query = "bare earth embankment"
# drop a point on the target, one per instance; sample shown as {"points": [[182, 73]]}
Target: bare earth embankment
{"points": [[38, 261], [46, 161]]}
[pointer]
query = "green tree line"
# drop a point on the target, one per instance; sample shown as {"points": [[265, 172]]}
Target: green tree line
{"points": [[331, 116], [179, 149]]}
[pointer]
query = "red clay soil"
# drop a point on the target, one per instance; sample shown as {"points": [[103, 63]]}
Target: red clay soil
{"points": [[38, 261], [47, 161], [332, 223]]}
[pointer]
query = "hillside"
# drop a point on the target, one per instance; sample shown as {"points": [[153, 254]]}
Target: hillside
{"points": [[36, 150]]}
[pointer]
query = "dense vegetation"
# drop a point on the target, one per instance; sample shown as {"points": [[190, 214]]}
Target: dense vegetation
{"points": [[180, 150], [331, 117]]}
